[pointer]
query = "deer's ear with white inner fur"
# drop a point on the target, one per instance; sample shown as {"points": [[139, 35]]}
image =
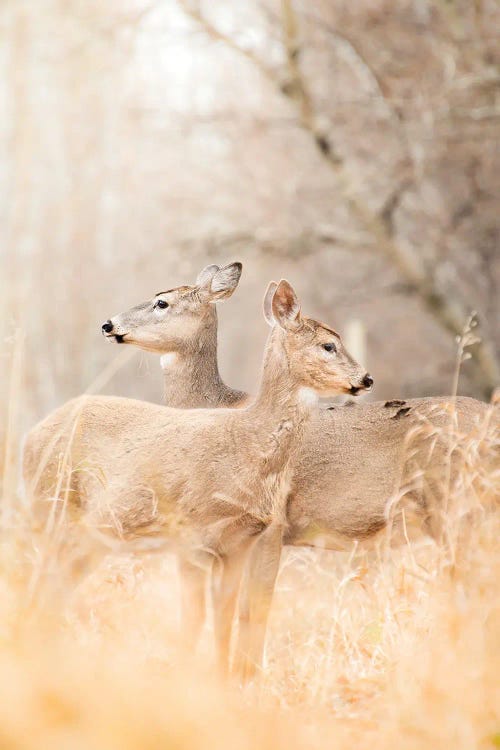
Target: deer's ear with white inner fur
{"points": [[285, 306], [224, 281], [268, 303], [206, 276]]}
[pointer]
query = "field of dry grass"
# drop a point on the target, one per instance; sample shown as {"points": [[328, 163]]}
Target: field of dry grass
{"points": [[381, 648]]}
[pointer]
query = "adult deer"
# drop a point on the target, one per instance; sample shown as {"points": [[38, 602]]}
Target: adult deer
{"points": [[355, 460], [216, 479], [180, 324]]}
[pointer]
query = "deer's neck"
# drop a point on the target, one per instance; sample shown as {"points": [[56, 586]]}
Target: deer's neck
{"points": [[191, 374], [281, 409]]}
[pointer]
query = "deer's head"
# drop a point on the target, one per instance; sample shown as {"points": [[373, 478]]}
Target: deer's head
{"points": [[173, 320], [316, 356]]}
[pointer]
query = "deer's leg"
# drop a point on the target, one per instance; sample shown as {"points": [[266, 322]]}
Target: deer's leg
{"points": [[225, 588], [255, 603], [192, 578]]}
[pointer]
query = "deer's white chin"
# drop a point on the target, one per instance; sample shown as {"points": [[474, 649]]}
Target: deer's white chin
{"points": [[308, 396], [167, 360]]}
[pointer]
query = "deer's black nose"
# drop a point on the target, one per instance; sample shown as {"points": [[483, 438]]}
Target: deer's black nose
{"points": [[368, 381], [107, 327]]}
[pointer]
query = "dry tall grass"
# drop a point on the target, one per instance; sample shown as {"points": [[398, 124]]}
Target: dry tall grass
{"points": [[386, 648]]}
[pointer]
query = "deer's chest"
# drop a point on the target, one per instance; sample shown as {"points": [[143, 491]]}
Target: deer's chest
{"points": [[252, 497]]}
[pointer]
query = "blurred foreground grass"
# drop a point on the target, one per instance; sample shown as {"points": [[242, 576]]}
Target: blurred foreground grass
{"points": [[363, 649]]}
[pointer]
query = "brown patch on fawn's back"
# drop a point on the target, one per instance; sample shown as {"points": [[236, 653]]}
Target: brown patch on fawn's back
{"points": [[394, 402], [401, 412]]}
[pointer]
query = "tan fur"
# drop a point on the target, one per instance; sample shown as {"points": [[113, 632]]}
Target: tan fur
{"points": [[354, 458], [215, 479], [187, 329], [376, 456], [363, 469], [360, 465]]}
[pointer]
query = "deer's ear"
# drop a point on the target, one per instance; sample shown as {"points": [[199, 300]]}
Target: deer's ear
{"points": [[268, 303], [285, 306], [224, 281], [206, 275]]}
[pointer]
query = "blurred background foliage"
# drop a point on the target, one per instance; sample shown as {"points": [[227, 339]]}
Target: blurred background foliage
{"points": [[351, 147]]}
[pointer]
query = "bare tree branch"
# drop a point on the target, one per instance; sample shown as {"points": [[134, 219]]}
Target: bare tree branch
{"points": [[217, 36], [450, 314], [365, 71]]}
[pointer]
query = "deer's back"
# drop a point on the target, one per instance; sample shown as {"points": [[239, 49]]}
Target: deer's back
{"points": [[356, 458], [127, 463]]}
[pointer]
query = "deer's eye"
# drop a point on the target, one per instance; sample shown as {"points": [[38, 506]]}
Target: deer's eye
{"points": [[162, 304], [329, 347]]}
